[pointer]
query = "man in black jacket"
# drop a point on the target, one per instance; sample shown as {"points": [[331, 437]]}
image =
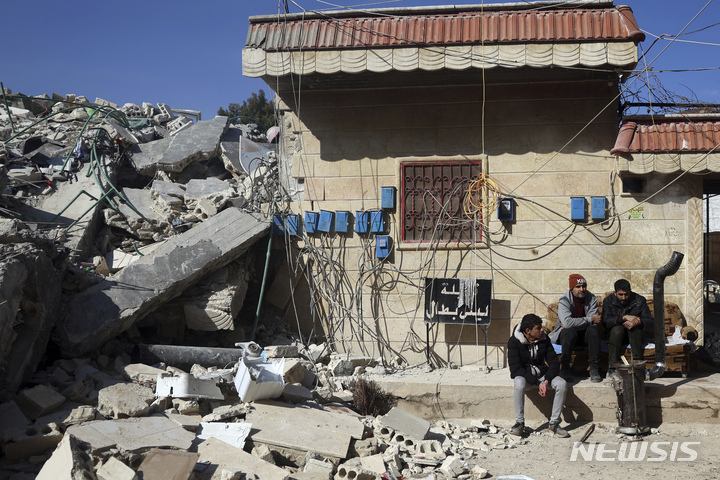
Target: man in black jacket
{"points": [[624, 314], [533, 361]]}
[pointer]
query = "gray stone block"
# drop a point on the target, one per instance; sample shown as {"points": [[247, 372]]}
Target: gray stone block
{"points": [[39, 400]]}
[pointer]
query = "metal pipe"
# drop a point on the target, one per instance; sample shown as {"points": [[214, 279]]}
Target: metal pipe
{"points": [[666, 270], [184, 357]]}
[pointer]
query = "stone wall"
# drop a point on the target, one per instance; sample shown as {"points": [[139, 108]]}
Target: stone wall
{"points": [[541, 143]]}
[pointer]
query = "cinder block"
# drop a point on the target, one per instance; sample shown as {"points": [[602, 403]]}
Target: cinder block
{"points": [[430, 449], [407, 423], [453, 466], [294, 371], [39, 400], [32, 441]]}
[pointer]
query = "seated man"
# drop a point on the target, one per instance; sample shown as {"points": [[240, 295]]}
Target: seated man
{"points": [[578, 320], [533, 361], [624, 315]]}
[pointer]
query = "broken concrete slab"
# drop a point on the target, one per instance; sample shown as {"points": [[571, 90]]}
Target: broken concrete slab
{"points": [[70, 414], [39, 400], [141, 373], [285, 425], [221, 456], [189, 422], [233, 434], [132, 434], [68, 462], [198, 188], [124, 400], [296, 393], [113, 305], [114, 469], [167, 464], [195, 144], [31, 289]]}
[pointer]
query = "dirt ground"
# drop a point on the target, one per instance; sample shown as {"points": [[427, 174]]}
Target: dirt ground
{"points": [[541, 456]]}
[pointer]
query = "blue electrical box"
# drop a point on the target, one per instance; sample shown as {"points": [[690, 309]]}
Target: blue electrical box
{"points": [[362, 222], [286, 223], [577, 208], [382, 246], [311, 221], [326, 221], [506, 210], [342, 221], [597, 207], [387, 200], [377, 221]]}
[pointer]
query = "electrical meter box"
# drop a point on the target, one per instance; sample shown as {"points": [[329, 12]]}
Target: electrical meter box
{"points": [[286, 224], [362, 222], [506, 210], [387, 198], [577, 208], [377, 221], [598, 208], [326, 221], [342, 221], [382, 246], [311, 221]]}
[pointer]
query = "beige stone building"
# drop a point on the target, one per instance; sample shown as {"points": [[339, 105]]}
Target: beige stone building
{"points": [[457, 108]]}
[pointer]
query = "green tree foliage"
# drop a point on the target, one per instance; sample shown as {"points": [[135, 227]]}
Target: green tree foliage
{"points": [[256, 109]]}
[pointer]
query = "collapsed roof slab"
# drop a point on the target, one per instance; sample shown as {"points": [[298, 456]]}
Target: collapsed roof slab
{"points": [[195, 144], [113, 305]]}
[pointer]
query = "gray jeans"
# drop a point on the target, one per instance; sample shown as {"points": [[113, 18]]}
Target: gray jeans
{"points": [[558, 384]]}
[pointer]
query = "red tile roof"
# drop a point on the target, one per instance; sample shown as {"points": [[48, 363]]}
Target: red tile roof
{"points": [[668, 135], [602, 24]]}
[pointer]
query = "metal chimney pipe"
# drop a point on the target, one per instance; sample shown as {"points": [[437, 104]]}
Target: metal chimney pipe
{"points": [[666, 270]]}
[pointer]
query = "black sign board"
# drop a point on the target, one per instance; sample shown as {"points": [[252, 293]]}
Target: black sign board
{"points": [[457, 300]]}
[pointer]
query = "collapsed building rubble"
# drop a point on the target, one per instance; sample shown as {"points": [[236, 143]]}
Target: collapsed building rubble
{"points": [[128, 420], [111, 213]]}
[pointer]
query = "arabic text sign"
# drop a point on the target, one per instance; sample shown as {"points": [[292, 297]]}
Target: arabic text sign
{"points": [[455, 300]]}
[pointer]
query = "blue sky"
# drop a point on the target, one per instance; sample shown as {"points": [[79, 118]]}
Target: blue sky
{"points": [[188, 53]]}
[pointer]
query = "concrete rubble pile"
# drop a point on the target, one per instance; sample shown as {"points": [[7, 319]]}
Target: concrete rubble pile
{"points": [[133, 224], [112, 418]]}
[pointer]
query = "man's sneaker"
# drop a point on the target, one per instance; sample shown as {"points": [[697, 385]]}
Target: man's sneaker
{"points": [[566, 375], [558, 431], [595, 375], [518, 429]]}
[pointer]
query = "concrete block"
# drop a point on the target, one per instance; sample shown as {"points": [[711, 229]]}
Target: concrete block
{"points": [[231, 433], [319, 468], [32, 441], [453, 466], [139, 372], [114, 469], [232, 474], [364, 447], [77, 391], [186, 407], [68, 461], [125, 400], [225, 412], [294, 371], [263, 451], [430, 449], [344, 365], [406, 423], [345, 472], [39, 400], [374, 463]]}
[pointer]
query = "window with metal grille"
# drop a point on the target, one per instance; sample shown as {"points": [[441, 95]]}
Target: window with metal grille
{"points": [[432, 202]]}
